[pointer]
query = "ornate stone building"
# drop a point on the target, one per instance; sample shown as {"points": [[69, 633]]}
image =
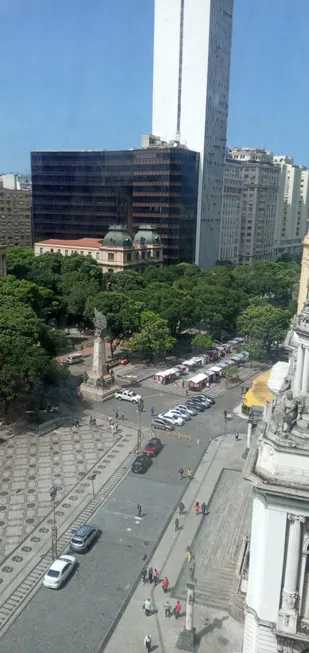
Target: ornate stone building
{"points": [[277, 601]]}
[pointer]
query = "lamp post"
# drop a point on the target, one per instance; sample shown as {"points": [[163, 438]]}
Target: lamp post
{"points": [[92, 479], [53, 494], [139, 430], [249, 433]]}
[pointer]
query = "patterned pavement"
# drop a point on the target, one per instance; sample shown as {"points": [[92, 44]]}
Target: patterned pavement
{"points": [[30, 465]]}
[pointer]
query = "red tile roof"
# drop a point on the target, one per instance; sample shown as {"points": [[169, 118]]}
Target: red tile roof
{"points": [[81, 242]]}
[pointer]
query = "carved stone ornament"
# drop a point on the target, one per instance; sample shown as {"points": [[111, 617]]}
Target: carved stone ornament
{"points": [[289, 600], [266, 451], [285, 645], [99, 322], [294, 518]]}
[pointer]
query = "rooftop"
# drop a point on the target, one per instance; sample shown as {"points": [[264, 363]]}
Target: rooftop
{"points": [[80, 242]]}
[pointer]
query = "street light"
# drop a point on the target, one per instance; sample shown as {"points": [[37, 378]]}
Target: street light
{"points": [[53, 494], [92, 479], [139, 430]]}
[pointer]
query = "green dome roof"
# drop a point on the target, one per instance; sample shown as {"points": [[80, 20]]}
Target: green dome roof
{"points": [[117, 236], [146, 235]]}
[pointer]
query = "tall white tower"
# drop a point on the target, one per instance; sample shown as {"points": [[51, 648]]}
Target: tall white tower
{"points": [[192, 51]]}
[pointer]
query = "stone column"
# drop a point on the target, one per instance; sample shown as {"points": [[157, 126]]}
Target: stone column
{"points": [[249, 434], [299, 369], [187, 637], [290, 593], [305, 379]]}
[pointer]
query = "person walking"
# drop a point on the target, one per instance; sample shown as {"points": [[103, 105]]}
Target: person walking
{"points": [[150, 574], [110, 420], [147, 642], [165, 584], [190, 474], [197, 508], [147, 607], [152, 411], [236, 436], [117, 414], [181, 508], [225, 414], [90, 421], [167, 609], [144, 575], [156, 576], [177, 609], [176, 525], [181, 473], [141, 405], [187, 392], [204, 508], [94, 422], [139, 510], [122, 416], [188, 553]]}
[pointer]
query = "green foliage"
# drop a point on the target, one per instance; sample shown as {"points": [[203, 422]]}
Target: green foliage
{"points": [[266, 325], [123, 315], [127, 281], [154, 336], [202, 341], [231, 372]]}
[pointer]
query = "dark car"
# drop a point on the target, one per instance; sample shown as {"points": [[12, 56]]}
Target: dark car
{"points": [[196, 404], [211, 399], [203, 399], [161, 424], [141, 464], [153, 447], [202, 404], [83, 538]]}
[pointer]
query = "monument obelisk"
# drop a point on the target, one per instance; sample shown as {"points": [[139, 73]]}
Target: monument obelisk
{"points": [[98, 381]]}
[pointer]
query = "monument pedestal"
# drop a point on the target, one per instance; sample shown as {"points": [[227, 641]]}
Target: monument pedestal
{"points": [[187, 640], [99, 382]]}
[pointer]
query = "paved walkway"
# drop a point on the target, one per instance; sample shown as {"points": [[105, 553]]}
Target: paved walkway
{"points": [[219, 484]]}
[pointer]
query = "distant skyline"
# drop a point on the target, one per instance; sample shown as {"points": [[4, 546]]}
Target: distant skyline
{"points": [[78, 75]]}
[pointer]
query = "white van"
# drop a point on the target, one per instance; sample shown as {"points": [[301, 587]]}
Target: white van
{"points": [[74, 358]]}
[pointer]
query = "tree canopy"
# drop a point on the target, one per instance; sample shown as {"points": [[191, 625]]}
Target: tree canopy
{"points": [[266, 325]]}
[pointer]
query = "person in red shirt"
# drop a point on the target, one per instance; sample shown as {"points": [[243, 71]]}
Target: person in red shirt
{"points": [[197, 508], [177, 609], [165, 584]]}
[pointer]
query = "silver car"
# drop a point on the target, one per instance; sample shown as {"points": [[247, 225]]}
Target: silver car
{"points": [[185, 411]]}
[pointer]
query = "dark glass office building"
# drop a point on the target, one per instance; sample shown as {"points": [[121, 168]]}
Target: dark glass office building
{"points": [[80, 193]]}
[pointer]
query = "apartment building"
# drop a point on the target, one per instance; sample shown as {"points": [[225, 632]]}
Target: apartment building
{"points": [[261, 178], [231, 210], [292, 211], [15, 217]]}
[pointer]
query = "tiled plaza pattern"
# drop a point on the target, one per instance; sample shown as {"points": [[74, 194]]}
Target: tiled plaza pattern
{"points": [[30, 465]]}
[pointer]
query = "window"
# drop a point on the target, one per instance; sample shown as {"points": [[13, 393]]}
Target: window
{"points": [[52, 250], [59, 250], [158, 253], [129, 256], [97, 255], [66, 252], [110, 256]]}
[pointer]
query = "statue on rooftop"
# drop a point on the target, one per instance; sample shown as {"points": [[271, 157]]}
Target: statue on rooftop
{"points": [[99, 322]]}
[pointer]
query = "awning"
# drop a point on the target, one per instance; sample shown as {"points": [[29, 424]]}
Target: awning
{"points": [[198, 378], [216, 369], [173, 370]]}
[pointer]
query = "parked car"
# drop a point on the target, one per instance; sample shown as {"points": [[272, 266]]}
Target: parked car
{"points": [[83, 538], [161, 424], [175, 418], [203, 399], [196, 405], [202, 402], [74, 358], [192, 411], [141, 464], [211, 399], [59, 571], [184, 411], [153, 447], [176, 411], [128, 395]]}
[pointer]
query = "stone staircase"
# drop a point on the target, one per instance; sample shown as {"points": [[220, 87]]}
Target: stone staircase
{"points": [[217, 591]]}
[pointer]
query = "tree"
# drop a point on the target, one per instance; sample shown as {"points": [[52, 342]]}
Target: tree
{"points": [[127, 281], [123, 315], [202, 341], [19, 261], [231, 373], [154, 336], [264, 324]]}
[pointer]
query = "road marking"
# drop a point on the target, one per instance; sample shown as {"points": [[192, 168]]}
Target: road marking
{"points": [[157, 394]]}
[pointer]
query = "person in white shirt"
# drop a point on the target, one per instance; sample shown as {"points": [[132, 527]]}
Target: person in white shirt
{"points": [[147, 642]]}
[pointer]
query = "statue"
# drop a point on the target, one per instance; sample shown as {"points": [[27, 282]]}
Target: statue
{"points": [[290, 412], [99, 322]]}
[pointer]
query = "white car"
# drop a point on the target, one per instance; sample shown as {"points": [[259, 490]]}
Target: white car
{"points": [[180, 413], [176, 417], [184, 411], [189, 410], [128, 395], [59, 571]]}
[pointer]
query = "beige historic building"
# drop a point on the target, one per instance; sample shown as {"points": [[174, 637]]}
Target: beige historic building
{"points": [[116, 252]]}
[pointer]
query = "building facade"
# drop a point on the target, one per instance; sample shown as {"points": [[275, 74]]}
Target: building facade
{"points": [[16, 181], [80, 193], [116, 252], [259, 204], [15, 217], [292, 206], [192, 51], [231, 211]]}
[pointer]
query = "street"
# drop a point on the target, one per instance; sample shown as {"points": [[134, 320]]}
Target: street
{"points": [[76, 618]]}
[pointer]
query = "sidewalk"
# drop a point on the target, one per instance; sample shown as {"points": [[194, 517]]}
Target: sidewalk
{"points": [[217, 632]]}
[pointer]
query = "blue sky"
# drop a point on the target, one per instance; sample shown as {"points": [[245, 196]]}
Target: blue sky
{"points": [[78, 74]]}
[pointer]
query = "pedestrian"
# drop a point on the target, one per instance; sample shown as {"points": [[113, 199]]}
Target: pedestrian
{"points": [[144, 575], [167, 609], [139, 510], [147, 642], [117, 414], [176, 525], [152, 411], [90, 421], [94, 422], [197, 508], [188, 553], [187, 391], [150, 574], [147, 607], [141, 404], [243, 390], [204, 508], [113, 429], [165, 584], [156, 576], [177, 609], [77, 422], [236, 435], [190, 474], [122, 416], [181, 508], [110, 419], [181, 473], [225, 414]]}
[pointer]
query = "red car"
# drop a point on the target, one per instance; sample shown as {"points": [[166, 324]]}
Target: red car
{"points": [[153, 447]]}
